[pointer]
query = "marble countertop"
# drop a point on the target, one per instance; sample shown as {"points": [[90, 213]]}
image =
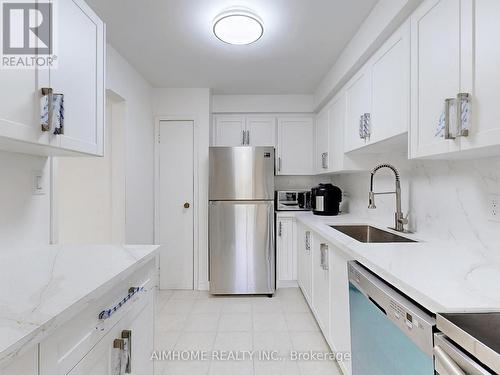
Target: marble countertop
{"points": [[441, 276], [46, 286]]}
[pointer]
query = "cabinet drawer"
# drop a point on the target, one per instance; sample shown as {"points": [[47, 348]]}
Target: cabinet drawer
{"points": [[74, 339]]}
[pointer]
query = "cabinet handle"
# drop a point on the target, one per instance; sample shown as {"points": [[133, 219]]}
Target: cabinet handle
{"points": [[105, 314], [324, 256], [49, 92], [127, 335], [365, 126], [308, 242], [324, 160], [248, 137], [279, 164], [462, 113], [243, 138], [279, 229]]}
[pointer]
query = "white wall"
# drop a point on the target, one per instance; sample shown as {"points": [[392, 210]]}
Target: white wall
{"points": [[136, 92], [187, 104], [262, 103], [24, 217], [448, 200]]}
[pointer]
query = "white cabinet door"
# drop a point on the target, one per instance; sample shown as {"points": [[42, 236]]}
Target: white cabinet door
{"points": [[321, 284], [435, 73], [295, 146], [286, 251], [480, 32], [390, 69], [261, 130], [101, 359], [322, 158], [304, 255], [24, 364], [340, 332], [358, 103], [80, 76], [228, 130]]}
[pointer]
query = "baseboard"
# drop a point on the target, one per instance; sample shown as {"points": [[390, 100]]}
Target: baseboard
{"points": [[204, 285], [287, 284]]}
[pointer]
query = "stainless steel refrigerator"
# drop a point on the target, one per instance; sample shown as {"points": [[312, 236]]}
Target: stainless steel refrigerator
{"points": [[241, 220]]}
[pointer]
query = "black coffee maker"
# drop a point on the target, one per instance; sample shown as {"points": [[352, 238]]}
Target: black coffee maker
{"points": [[325, 200]]}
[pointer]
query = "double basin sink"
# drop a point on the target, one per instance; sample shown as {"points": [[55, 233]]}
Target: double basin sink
{"points": [[369, 234]]}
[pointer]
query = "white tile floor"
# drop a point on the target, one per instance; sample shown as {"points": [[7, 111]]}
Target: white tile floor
{"points": [[191, 320]]}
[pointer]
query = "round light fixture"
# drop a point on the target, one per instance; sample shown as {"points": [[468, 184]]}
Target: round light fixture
{"points": [[238, 26]]}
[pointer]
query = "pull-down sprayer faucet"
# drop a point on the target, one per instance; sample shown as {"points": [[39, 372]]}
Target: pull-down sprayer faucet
{"points": [[400, 220]]}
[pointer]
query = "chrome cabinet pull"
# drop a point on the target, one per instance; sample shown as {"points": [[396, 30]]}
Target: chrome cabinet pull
{"points": [[365, 126], [279, 229], [324, 256], [324, 160], [106, 314], [248, 137], [447, 362], [308, 242], [461, 105], [127, 335], [243, 138], [279, 164], [49, 92]]}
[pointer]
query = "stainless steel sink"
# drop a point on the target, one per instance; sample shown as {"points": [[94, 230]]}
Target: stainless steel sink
{"points": [[369, 234]]}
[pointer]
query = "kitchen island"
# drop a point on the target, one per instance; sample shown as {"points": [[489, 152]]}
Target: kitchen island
{"points": [[52, 297]]}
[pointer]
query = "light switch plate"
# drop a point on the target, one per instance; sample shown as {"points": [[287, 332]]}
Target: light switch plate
{"points": [[38, 183], [494, 207]]}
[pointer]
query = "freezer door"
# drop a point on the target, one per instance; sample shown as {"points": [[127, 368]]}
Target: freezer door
{"points": [[242, 255], [241, 173]]}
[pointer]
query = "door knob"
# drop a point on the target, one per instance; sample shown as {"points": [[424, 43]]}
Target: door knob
{"points": [[186, 205]]}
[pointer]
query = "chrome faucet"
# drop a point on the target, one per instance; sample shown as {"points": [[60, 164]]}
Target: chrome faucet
{"points": [[400, 219]]}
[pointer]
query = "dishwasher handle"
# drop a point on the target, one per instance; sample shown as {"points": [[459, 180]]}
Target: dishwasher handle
{"points": [[450, 366]]}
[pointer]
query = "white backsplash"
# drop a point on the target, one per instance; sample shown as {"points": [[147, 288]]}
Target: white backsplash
{"points": [[447, 200], [24, 217], [299, 182]]}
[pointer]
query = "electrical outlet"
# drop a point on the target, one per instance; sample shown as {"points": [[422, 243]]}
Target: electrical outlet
{"points": [[38, 183], [494, 207]]}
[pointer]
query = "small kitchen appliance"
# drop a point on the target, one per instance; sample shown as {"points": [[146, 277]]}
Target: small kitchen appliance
{"points": [[293, 200], [326, 200]]}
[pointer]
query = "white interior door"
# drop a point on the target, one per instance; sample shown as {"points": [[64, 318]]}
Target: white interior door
{"points": [[176, 204]]}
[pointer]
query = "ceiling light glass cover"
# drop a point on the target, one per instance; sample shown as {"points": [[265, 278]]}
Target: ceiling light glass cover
{"points": [[238, 26]]}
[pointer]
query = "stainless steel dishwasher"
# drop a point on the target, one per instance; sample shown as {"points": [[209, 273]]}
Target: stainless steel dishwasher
{"points": [[390, 334]]}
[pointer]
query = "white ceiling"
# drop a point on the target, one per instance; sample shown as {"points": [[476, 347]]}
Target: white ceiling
{"points": [[171, 44]]}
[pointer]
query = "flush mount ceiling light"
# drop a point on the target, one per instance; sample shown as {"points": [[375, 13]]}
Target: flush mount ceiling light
{"points": [[238, 26]]}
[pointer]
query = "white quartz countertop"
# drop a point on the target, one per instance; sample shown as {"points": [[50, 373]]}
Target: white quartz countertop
{"points": [[441, 276], [44, 287]]}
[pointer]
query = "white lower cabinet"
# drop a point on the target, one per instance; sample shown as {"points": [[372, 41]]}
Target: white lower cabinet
{"points": [[323, 279], [340, 328], [85, 344], [25, 364], [100, 360], [321, 284], [304, 258], [286, 250]]}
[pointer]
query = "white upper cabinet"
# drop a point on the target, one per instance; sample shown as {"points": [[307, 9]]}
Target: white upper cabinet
{"points": [[228, 130], [322, 151], [295, 146], [390, 69], [80, 76], [480, 34], [358, 104], [79, 45], [435, 76], [379, 96], [261, 130], [244, 130]]}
